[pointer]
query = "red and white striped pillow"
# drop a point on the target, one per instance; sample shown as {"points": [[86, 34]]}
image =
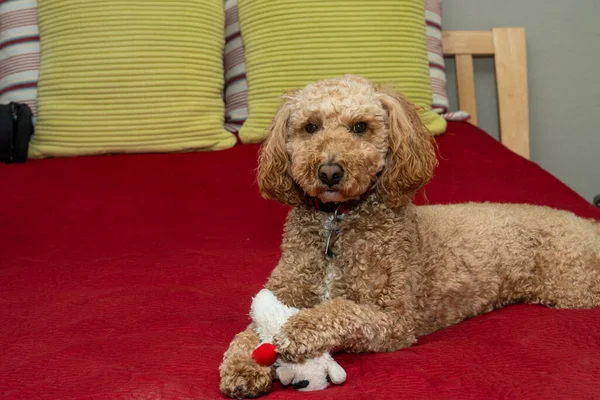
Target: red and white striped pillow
{"points": [[236, 87], [19, 52], [437, 67]]}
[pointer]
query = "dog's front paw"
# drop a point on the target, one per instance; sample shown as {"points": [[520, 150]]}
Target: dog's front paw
{"points": [[297, 341], [242, 378]]}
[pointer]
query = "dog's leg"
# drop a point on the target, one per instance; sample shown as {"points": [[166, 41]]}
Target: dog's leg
{"points": [[342, 324], [575, 284], [240, 375], [568, 267]]}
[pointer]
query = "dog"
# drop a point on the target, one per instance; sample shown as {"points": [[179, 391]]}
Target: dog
{"points": [[369, 270]]}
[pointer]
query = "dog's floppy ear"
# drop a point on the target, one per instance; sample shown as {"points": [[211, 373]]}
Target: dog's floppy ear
{"points": [[274, 178], [411, 156]]}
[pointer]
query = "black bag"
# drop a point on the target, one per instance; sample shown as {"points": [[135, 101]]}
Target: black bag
{"points": [[16, 128]]}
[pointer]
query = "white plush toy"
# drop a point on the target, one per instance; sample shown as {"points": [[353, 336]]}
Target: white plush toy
{"points": [[269, 314]]}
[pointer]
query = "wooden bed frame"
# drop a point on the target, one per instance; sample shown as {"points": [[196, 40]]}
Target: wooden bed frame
{"points": [[507, 46]]}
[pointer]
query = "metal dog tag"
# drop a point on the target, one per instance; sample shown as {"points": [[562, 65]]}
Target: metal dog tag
{"points": [[330, 233], [328, 251]]}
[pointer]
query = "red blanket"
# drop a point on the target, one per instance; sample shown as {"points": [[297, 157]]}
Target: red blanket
{"points": [[126, 277]]}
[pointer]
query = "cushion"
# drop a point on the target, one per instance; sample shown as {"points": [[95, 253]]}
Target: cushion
{"points": [[437, 67], [435, 55], [290, 43], [19, 52], [120, 77], [236, 87]]}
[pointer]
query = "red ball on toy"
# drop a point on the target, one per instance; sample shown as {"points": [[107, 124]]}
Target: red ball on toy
{"points": [[265, 354]]}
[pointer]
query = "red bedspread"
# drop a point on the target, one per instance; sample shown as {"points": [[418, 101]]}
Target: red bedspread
{"points": [[126, 277]]}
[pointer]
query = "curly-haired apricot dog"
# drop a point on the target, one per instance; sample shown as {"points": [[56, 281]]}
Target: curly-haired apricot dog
{"points": [[369, 270]]}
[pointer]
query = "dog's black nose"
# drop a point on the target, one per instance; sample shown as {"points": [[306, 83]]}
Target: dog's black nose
{"points": [[300, 385], [330, 174]]}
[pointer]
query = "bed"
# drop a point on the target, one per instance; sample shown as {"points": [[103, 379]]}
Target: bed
{"points": [[125, 277]]}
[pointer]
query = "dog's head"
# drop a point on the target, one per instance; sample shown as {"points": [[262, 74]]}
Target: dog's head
{"points": [[337, 139]]}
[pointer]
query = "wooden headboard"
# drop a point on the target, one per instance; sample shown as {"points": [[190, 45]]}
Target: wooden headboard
{"points": [[507, 46]]}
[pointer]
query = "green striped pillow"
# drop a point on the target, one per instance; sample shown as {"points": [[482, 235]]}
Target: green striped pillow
{"points": [[128, 77], [290, 43]]}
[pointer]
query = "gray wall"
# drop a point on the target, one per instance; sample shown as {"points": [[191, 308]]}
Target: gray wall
{"points": [[563, 50]]}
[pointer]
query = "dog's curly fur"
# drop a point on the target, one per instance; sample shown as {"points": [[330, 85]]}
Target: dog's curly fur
{"points": [[399, 271]]}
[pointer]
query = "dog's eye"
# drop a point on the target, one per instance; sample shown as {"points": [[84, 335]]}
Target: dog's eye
{"points": [[311, 128], [359, 127]]}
